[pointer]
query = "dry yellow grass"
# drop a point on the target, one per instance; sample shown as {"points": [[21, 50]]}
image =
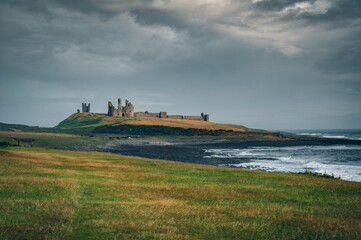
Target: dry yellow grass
{"points": [[183, 123]]}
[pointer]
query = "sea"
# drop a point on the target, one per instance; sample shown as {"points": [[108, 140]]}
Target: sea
{"points": [[332, 152], [342, 160]]}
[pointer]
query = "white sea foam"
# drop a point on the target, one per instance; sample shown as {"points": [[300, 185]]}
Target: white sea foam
{"points": [[310, 134], [345, 172], [327, 135], [333, 136], [321, 159], [265, 148], [313, 148], [230, 153], [341, 137]]}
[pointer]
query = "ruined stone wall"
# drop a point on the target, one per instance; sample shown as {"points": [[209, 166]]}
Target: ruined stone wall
{"points": [[175, 116], [163, 114], [117, 113], [140, 114], [146, 114], [193, 117]]}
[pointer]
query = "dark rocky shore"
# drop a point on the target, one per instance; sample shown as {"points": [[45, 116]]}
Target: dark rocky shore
{"points": [[192, 150]]}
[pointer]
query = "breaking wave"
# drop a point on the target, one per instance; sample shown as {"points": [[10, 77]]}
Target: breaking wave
{"points": [[343, 161], [348, 136]]}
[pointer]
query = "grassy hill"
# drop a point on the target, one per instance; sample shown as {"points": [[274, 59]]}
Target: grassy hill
{"points": [[53, 194], [90, 124], [95, 120], [103, 124]]}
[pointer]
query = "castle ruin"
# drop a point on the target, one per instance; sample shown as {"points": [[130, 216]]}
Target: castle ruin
{"points": [[127, 111]]}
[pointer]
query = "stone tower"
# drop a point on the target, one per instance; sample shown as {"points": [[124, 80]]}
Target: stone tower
{"points": [[85, 107], [110, 109], [128, 109], [119, 103]]}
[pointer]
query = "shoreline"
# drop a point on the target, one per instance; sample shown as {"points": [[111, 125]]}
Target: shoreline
{"points": [[186, 149], [193, 151]]}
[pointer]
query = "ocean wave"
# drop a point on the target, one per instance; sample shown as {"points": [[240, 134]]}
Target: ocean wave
{"points": [[230, 153], [310, 134], [263, 151], [345, 172], [339, 160], [328, 135]]}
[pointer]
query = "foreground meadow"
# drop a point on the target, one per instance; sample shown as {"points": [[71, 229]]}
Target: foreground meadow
{"points": [[54, 194]]}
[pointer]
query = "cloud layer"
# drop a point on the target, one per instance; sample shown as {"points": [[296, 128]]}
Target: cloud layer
{"points": [[294, 59]]}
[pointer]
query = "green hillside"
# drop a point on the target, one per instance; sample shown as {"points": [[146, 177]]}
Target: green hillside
{"points": [[90, 123], [24, 128]]}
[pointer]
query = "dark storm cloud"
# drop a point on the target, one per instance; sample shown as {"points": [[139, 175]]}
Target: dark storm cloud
{"points": [[275, 5], [67, 36], [105, 6], [241, 61], [157, 17]]}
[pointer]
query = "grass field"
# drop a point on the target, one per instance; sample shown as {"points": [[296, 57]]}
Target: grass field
{"points": [[54, 194]]}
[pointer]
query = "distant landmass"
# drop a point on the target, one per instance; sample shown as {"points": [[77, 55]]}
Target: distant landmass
{"points": [[123, 122], [92, 124], [100, 124]]}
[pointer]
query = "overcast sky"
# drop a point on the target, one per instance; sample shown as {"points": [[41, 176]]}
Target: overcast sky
{"points": [[271, 64]]}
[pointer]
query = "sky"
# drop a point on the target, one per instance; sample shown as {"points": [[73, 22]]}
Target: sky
{"points": [[270, 64]]}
